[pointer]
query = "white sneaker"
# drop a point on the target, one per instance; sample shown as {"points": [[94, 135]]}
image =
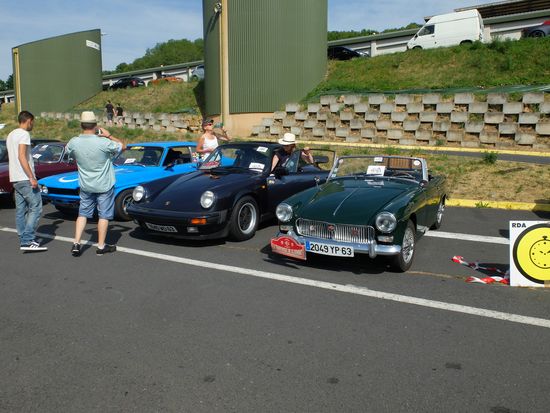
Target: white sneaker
{"points": [[33, 246]]}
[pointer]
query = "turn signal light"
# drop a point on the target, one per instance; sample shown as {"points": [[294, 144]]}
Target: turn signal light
{"points": [[198, 221]]}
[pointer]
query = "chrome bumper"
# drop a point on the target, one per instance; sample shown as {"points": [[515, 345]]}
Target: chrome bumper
{"points": [[372, 248]]}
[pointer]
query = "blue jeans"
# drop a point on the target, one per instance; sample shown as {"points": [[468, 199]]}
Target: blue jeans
{"points": [[28, 208]]}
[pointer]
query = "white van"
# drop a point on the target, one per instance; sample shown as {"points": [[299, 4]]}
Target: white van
{"points": [[449, 30]]}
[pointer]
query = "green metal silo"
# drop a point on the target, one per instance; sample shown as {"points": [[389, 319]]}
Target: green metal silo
{"points": [[55, 74], [261, 54]]}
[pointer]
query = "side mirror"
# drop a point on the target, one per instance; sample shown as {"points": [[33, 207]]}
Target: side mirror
{"points": [[320, 159]]}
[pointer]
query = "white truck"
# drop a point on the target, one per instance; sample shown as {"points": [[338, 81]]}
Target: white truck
{"points": [[449, 30]]}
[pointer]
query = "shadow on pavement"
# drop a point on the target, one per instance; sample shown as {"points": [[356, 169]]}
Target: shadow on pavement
{"points": [[360, 264]]}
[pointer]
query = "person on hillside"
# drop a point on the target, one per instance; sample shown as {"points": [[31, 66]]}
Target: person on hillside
{"points": [[28, 201], [119, 114], [289, 146], [93, 151], [209, 139], [110, 111]]}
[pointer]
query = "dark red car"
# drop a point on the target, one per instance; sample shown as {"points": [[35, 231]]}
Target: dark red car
{"points": [[49, 159]]}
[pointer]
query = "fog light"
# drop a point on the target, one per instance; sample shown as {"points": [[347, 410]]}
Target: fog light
{"points": [[385, 238], [192, 229]]}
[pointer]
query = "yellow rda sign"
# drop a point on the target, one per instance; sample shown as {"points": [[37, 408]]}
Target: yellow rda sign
{"points": [[530, 253]]}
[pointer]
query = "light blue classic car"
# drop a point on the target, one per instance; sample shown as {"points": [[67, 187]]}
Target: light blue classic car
{"points": [[137, 164]]}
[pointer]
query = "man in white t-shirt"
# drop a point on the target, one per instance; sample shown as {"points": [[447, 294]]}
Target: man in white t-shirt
{"points": [[28, 202]]}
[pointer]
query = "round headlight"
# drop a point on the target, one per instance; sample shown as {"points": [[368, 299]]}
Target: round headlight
{"points": [[207, 199], [386, 222], [44, 189], [139, 193], [284, 212]]}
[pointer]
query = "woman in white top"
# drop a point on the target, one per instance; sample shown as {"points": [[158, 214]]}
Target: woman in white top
{"points": [[209, 140]]}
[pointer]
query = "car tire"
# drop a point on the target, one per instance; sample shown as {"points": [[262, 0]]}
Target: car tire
{"points": [[404, 260], [244, 219], [439, 215], [121, 202], [194, 78], [537, 33], [417, 48]]}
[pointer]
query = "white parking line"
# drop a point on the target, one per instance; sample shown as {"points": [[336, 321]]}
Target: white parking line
{"points": [[467, 237], [350, 289]]}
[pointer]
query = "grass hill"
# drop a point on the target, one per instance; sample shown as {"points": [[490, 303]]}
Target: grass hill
{"points": [[500, 63], [164, 97]]}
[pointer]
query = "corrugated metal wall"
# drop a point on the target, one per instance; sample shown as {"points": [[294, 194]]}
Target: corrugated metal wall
{"points": [[277, 53], [211, 30], [58, 73]]}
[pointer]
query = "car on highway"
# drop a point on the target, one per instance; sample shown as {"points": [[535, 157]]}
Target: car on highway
{"points": [[373, 205], [233, 190], [49, 159], [344, 53], [127, 82], [542, 30], [137, 164], [197, 73]]}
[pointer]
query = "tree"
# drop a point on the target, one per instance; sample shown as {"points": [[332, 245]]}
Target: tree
{"points": [[167, 53]]}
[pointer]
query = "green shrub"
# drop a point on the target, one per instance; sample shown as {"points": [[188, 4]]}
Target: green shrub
{"points": [[73, 124], [490, 158]]}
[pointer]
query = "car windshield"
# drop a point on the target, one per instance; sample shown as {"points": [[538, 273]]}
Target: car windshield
{"points": [[379, 167], [139, 155], [47, 153], [251, 157], [3, 152]]}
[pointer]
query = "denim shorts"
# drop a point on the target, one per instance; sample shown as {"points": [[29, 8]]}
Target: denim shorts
{"points": [[105, 203]]}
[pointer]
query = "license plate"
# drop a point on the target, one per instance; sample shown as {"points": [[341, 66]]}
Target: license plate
{"points": [[161, 228], [329, 249]]}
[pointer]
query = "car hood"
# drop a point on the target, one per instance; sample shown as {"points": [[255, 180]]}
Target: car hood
{"points": [[187, 189], [125, 175], [133, 175], [68, 180], [353, 203]]}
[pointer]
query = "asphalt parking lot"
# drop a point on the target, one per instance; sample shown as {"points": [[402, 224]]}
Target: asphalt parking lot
{"points": [[168, 325]]}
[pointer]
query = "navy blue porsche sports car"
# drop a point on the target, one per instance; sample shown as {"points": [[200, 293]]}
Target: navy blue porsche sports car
{"points": [[231, 192]]}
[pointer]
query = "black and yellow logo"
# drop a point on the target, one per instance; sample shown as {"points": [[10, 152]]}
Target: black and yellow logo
{"points": [[531, 253]]}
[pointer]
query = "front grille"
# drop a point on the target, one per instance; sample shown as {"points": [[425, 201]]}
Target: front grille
{"points": [[62, 191], [338, 232]]}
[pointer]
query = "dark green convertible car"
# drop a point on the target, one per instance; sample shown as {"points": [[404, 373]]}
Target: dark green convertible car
{"points": [[375, 205]]}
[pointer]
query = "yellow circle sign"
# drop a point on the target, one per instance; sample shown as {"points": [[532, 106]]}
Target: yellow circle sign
{"points": [[531, 253]]}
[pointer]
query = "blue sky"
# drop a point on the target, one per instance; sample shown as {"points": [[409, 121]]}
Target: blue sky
{"points": [[132, 26]]}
